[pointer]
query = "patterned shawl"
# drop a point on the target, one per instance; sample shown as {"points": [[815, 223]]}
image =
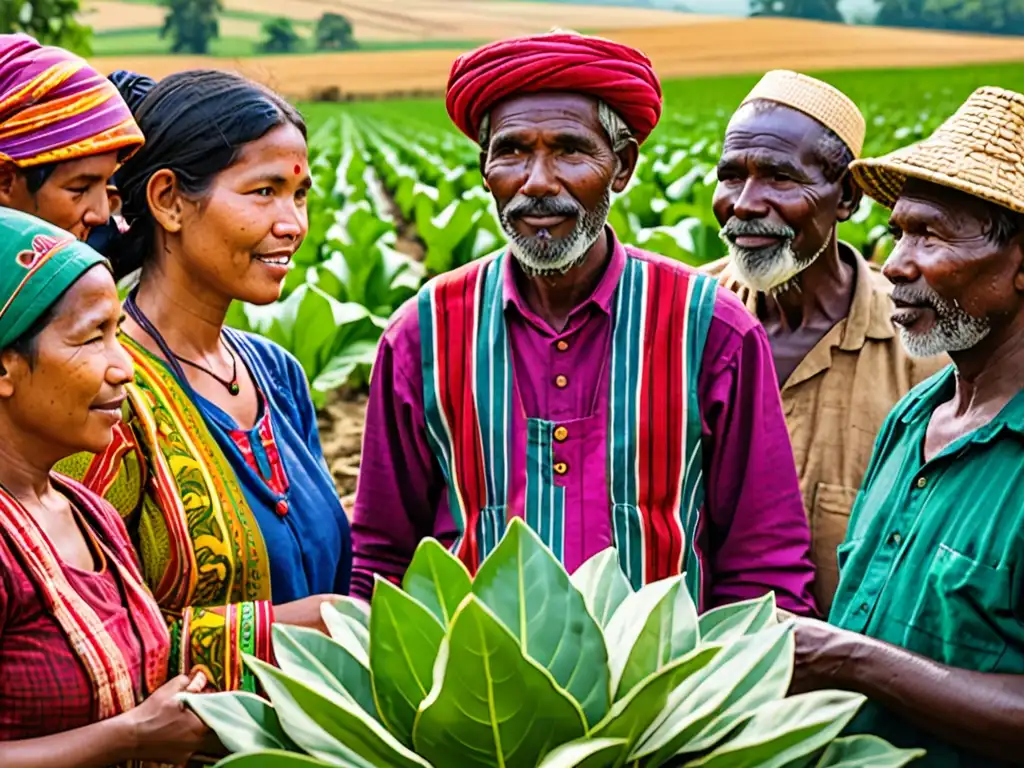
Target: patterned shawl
{"points": [[55, 107], [100, 655], [202, 551]]}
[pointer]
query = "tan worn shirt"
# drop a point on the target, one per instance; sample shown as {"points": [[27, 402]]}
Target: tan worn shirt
{"points": [[835, 402]]}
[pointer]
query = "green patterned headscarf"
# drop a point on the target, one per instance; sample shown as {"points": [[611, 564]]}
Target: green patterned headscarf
{"points": [[38, 263]]}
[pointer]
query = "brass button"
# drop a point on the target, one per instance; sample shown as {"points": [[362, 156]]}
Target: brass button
{"points": [[561, 468], [561, 381], [562, 345], [561, 433], [922, 482]]}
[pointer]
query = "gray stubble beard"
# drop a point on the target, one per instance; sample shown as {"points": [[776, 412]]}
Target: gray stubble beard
{"points": [[954, 329], [544, 257]]}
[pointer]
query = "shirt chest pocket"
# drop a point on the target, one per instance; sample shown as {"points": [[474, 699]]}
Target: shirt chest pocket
{"points": [[958, 615]]}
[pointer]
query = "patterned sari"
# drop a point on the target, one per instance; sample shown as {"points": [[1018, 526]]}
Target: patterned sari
{"points": [[202, 552]]}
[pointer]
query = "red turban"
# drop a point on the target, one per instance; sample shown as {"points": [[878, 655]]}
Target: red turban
{"points": [[618, 75]]}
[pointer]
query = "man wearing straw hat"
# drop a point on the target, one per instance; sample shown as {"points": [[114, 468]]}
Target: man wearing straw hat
{"points": [[929, 615], [783, 189]]}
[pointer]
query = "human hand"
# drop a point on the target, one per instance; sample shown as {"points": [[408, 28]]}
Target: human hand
{"points": [[304, 612], [164, 729], [822, 653]]}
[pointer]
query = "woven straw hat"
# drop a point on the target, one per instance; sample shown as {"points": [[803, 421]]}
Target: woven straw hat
{"points": [[816, 99], [979, 150]]}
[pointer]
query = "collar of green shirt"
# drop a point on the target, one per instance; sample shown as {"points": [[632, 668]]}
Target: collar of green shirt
{"points": [[922, 401]]}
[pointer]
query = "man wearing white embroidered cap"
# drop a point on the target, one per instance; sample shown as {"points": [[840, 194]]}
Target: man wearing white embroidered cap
{"points": [[783, 188]]}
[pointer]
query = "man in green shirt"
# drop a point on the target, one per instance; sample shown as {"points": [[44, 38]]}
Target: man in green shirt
{"points": [[928, 620]]}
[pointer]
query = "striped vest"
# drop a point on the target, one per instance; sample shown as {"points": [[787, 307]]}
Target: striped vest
{"points": [[661, 315]]}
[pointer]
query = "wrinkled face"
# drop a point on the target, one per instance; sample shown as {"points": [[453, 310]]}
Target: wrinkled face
{"points": [[239, 239], [953, 284], [552, 171], [68, 395], [73, 197], [774, 201]]}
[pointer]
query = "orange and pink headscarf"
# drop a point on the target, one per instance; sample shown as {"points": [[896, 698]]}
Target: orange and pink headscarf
{"points": [[55, 107]]}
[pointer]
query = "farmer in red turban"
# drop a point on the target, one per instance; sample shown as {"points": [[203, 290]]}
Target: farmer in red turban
{"points": [[609, 396]]}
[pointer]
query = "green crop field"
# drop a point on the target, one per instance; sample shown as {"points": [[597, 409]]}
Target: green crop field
{"points": [[398, 197]]}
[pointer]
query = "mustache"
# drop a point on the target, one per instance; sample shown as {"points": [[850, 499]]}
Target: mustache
{"points": [[916, 296], [522, 205], [735, 227]]}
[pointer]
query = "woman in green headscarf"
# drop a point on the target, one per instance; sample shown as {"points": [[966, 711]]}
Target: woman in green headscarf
{"points": [[82, 642]]}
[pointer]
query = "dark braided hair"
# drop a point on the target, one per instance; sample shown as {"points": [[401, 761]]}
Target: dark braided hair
{"points": [[132, 86], [195, 123]]}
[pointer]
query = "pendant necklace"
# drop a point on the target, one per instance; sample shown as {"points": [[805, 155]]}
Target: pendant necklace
{"points": [[231, 385]]}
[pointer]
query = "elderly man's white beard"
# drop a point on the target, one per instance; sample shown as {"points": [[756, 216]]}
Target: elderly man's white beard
{"points": [[543, 254], [769, 270], [953, 330]]}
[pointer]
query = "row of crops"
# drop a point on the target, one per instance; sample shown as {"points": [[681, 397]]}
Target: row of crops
{"points": [[391, 176]]}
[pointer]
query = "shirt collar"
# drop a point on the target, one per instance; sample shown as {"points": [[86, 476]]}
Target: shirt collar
{"points": [[922, 401], [602, 296]]}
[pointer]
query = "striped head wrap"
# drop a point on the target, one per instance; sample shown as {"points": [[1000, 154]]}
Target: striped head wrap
{"points": [[38, 263], [55, 107]]}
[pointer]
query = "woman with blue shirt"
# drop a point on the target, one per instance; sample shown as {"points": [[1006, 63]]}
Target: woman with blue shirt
{"points": [[218, 469]]}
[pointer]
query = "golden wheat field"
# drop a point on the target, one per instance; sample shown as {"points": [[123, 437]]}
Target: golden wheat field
{"points": [[712, 47], [409, 20]]}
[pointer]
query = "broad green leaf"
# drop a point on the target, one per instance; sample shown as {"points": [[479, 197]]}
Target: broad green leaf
{"points": [[330, 727], [586, 753], [631, 716], [629, 618], [721, 688], [404, 641], [339, 369], [242, 721], [733, 621], [530, 593], [652, 628], [490, 704], [279, 759], [437, 579], [603, 585], [347, 631], [781, 732], [323, 664], [767, 681], [354, 609], [866, 752]]}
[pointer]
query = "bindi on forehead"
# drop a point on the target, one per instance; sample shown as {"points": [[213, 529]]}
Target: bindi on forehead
{"points": [[297, 169]]}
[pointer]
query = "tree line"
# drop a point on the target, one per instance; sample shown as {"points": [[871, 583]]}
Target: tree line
{"points": [[1005, 17], [191, 26]]}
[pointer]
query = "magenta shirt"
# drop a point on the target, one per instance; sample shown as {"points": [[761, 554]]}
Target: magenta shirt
{"points": [[757, 534]]}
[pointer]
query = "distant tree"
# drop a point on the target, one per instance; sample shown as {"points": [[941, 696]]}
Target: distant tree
{"points": [[995, 16], [334, 33], [52, 22], [191, 24], [279, 36], [820, 10], [1004, 17], [901, 13]]}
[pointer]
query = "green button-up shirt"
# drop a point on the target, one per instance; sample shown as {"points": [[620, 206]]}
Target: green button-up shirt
{"points": [[934, 552]]}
